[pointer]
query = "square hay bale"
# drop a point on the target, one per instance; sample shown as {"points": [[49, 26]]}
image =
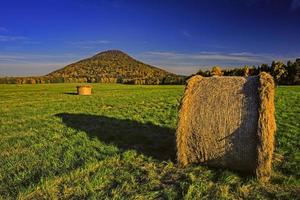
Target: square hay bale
{"points": [[228, 122], [84, 90]]}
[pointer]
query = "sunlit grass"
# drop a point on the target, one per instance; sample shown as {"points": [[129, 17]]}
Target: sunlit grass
{"points": [[119, 143]]}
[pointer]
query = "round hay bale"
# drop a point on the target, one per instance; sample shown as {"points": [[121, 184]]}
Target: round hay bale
{"points": [[228, 122], [84, 90]]}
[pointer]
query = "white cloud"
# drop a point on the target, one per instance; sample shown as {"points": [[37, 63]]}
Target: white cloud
{"points": [[187, 63], [179, 63], [214, 56], [8, 38]]}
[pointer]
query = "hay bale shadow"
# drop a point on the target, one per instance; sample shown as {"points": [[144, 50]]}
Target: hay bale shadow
{"points": [[71, 93], [146, 138]]}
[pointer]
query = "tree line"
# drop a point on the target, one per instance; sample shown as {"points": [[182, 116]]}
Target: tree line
{"points": [[166, 80], [283, 74]]}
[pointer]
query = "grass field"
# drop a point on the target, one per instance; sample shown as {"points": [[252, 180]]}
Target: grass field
{"points": [[119, 143]]}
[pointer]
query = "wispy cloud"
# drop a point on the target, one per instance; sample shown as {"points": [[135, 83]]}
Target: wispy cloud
{"points": [[209, 56], [89, 42], [187, 63], [30, 42], [8, 38], [180, 63], [3, 29], [29, 69], [32, 58], [185, 33], [34, 64]]}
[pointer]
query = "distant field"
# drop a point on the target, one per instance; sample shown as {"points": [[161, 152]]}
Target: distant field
{"points": [[119, 143]]}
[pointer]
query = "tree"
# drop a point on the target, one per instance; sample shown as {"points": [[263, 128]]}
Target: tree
{"points": [[246, 70], [278, 71], [216, 71], [297, 72], [203, 73], [264, 68]]}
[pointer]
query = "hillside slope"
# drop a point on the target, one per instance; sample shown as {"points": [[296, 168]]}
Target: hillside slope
{"points": [[113, 66]]}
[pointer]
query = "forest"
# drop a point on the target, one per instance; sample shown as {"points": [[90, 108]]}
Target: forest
{"points": [[283, 74]]}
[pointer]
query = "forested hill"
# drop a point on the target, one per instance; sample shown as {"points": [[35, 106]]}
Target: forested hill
{"points": [[113, 66]]}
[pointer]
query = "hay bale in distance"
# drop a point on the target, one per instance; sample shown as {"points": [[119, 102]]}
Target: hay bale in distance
{"points": [[228, 122], [84, 90]]}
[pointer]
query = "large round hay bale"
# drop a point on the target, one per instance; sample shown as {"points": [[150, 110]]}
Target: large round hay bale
{"points": [[84, 90], [228, 122]]}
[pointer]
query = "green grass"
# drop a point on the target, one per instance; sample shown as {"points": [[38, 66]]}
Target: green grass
{"points": [[119, 143]]}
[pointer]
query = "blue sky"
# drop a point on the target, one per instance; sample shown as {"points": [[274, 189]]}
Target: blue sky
{"points": [[37, 36]]}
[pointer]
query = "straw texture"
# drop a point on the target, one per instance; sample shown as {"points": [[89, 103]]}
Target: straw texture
{"points": [[84, 90], [266, 127], [222, 123]]}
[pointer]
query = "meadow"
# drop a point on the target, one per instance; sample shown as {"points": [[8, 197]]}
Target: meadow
{"points": [[119, 143]]}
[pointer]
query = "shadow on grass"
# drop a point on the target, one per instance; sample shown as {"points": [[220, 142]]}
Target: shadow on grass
{"points": [[71, 93], [148, 139]]}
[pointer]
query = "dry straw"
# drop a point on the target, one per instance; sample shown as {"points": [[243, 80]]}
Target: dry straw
{"points": [[84, 90], [228, 122]]}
